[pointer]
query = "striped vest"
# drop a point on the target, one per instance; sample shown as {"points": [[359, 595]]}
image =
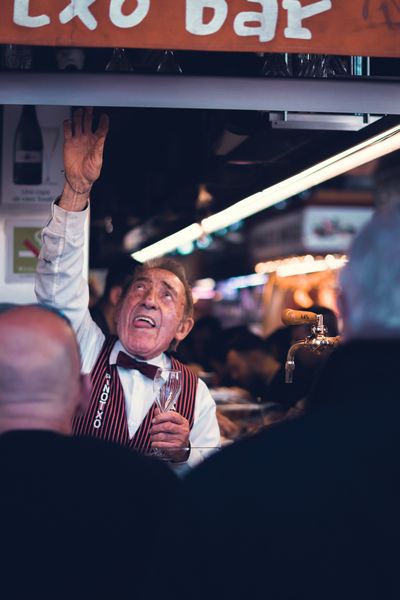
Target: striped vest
{"points": [[105, 417]]}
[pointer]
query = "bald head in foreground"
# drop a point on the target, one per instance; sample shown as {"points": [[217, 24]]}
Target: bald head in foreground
{"points": [[67, 505], [41, 386]]}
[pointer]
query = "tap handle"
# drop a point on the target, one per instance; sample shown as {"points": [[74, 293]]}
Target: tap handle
{"points": [[298, 317], [334, 341]]}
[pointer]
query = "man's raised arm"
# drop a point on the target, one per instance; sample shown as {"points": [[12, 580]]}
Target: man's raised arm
{"points": [[59, 275]]}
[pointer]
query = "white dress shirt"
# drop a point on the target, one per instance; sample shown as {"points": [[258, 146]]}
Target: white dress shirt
{"points": [[60, 282]]}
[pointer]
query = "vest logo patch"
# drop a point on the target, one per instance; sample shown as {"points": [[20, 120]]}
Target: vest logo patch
{"points": [[105, 393]]}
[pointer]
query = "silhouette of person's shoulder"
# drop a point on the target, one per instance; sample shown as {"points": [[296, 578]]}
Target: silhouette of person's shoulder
{"points": [[78, 499]]}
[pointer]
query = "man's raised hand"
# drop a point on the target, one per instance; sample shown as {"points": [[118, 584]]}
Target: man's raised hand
{"points": [[83, 155]]}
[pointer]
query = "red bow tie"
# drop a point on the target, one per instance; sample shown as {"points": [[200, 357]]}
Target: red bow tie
{"points": [[127, 362]]}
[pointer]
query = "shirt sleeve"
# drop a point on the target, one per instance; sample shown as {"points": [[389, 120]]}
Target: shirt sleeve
{"points": [[60, 281], [205, 437]]}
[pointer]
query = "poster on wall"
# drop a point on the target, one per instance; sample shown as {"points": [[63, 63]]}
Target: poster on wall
{"points": [[32, 147], [331, 229], [23, 247]]}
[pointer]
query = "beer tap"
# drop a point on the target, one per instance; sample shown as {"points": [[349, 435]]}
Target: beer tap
{"points": [[316, 342]]}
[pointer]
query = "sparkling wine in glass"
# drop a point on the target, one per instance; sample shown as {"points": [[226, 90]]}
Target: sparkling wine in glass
{"points": [[167, 387]]}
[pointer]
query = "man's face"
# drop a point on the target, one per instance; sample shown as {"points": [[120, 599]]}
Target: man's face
{"points": [[152, 314]]}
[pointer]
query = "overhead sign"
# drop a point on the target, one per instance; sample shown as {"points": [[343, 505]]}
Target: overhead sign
{"points": [[345, 27], [313, 229], [331, 229]]}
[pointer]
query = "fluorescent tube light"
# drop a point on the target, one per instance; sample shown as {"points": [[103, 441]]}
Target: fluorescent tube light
{"points": [[170, 243], [362, 153]]}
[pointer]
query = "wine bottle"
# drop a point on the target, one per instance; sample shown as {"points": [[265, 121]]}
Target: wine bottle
{"points": [[28, 149]]}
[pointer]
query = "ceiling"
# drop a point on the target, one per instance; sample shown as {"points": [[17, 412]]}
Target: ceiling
{"points": [[166, 168]]}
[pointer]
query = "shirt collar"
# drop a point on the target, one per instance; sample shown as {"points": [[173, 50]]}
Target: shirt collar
{"points": [[159, 361]]}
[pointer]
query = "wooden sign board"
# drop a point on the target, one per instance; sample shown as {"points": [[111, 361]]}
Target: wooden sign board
{"points": [[343, 27]]}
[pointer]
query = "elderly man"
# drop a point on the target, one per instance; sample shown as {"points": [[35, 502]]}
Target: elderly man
{"points": [[154, 315], [67, 505], [310, 507]]}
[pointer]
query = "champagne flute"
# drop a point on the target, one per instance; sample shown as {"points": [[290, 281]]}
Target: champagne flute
{"points": [[167, 387]]}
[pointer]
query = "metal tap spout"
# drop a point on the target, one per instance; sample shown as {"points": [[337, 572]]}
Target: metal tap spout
{"points": [[316, 342], [289, 365]]}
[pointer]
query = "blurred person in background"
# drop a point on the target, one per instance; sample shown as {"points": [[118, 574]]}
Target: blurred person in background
{"points": [[309, 508], [251, 364], [258, 365], [119, 276], [195, 348], [203, 350]]}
